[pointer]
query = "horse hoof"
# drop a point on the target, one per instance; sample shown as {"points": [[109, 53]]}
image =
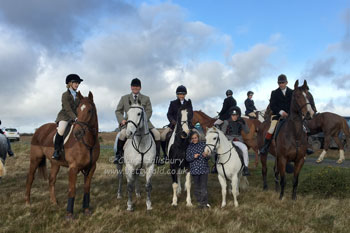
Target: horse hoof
{"points": [[69, 217], [149, 208], [174, 204], [223, 206], [319, 160], [265, 188], [119, 196], [339, 161], [130, 209], [138, 195], [281, 197], [189, 205], [87, 212]]}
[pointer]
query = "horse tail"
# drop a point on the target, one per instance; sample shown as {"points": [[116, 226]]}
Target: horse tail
{"points": [[42, 168], [2, 169], [346, 131]]}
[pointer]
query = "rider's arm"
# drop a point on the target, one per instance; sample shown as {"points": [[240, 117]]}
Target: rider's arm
{"points": [[119, 112], [170, 114], [67, 107], [148, 108]]}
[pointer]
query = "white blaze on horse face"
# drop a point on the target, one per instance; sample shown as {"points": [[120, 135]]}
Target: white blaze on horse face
{"points": [[132, 117], [82, 107], [308, 105], [184, 119]]}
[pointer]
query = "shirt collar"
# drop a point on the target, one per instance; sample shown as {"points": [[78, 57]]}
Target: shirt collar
{"points": [[74, 93]]}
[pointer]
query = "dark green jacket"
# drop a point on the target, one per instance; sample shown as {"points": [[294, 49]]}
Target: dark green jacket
{"points": [[69, 107]]}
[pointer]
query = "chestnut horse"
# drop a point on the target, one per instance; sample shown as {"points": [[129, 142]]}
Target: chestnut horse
{"points": [[331, 125], [81, 152], [249, 139], [291, 142]]}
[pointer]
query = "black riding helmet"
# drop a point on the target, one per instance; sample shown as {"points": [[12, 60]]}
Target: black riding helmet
{"points": [[235, 111], [181, 90], [73, 78], [229, 92], [135, 82], [250, 93]]}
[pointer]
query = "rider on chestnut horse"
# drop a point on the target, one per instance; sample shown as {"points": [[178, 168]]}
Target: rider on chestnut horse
{"points": [[68, 113], [249, 105], [224, 114]]}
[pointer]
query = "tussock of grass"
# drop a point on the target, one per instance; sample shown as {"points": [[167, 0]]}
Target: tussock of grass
{"points": [[258, 211]]}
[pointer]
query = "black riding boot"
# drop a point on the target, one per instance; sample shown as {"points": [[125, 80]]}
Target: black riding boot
{"points": [[266, 146], [120, 152], [9, 150], [58, 145], [245, 171], [158, 161], [163, 145]]}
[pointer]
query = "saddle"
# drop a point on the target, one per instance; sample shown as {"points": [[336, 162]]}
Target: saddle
{"points": [[278, 127], [66, 134], [239, 152]]}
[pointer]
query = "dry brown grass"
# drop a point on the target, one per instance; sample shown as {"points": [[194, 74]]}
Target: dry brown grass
{"points": [[258, 211]]}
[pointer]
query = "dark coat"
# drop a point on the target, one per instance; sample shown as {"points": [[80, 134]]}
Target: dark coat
{"points": [[198, 166], [249, 106], [174, 109], [279, 102], [229, 102], [235, 128], [69, 107]]}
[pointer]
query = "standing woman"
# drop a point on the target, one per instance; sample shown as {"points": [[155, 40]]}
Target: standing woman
{"points": [[68, 113]]}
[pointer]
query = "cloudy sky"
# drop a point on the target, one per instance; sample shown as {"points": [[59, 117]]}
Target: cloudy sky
{"points": [[208, 46]]}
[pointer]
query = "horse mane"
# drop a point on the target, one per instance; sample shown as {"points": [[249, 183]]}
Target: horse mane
{"points": [[203, 114]]}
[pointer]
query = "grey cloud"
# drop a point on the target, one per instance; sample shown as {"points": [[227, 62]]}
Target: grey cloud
{"points": [[322, 68], [342, 82], [57, 23]]}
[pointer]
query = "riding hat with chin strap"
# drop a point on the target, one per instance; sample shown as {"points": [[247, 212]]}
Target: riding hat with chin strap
{"points": [[181, 90], [73, 78]]}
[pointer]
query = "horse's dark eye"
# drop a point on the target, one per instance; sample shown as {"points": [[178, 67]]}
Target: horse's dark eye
{"points": [[139, 114], [214, 138]]}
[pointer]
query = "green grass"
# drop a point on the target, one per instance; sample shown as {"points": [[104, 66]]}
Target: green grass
{"points": [[258, 211]]}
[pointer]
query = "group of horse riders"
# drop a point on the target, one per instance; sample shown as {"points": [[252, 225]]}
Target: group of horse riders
{"points": [[229, 119]]}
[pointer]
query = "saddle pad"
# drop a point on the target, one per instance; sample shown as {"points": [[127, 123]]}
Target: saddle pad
{"points": [[65, 135]]}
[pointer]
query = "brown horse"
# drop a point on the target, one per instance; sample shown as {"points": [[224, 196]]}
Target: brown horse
{"points": [[291, 142], [249, 139], [81, 152], [331, 125]]}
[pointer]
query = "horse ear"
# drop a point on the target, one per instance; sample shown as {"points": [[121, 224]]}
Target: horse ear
{"points": [[80, 95], [305, 85], [296, 85], [91, 97]]}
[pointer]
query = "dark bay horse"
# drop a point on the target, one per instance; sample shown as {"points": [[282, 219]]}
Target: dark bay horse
{"points": [[331, 125], [81, 152], [249, 139], [178, 144], [291, 142]]}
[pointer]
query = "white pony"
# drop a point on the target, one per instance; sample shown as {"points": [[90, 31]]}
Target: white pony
{"points": [[139, 152], [228, 164]]}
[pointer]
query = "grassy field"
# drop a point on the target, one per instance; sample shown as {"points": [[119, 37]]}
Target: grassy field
{"points": [[258, 211]]}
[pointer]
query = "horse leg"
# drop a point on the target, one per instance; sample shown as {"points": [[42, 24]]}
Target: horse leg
{"points": [[298, 165], [281, 163], [327, 140], [341, 149], [149, 174], [120, 180], [175, 185], [263, 159], [188, 189], [223, 184], [52, 180], [34, 163], [87, 185], [73, 172], [256, 163], [178, 190], [235, 192], [130, 177], [277, 185], [137, 188]]}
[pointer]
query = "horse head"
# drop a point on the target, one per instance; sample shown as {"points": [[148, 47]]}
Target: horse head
{"points": [[212, 139], [137, 120], [302, 101], [182, 125]]}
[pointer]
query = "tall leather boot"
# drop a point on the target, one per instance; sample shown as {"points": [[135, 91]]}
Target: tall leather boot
{"points": [[266, 146], [245, 171], [58, 146], [158, 161], [120, 152]]}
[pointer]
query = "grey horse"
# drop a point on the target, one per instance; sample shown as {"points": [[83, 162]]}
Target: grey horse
{"points": [[3, 153]]}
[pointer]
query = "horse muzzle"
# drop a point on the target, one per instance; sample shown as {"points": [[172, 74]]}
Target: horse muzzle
{"points": [[183, 135]]}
